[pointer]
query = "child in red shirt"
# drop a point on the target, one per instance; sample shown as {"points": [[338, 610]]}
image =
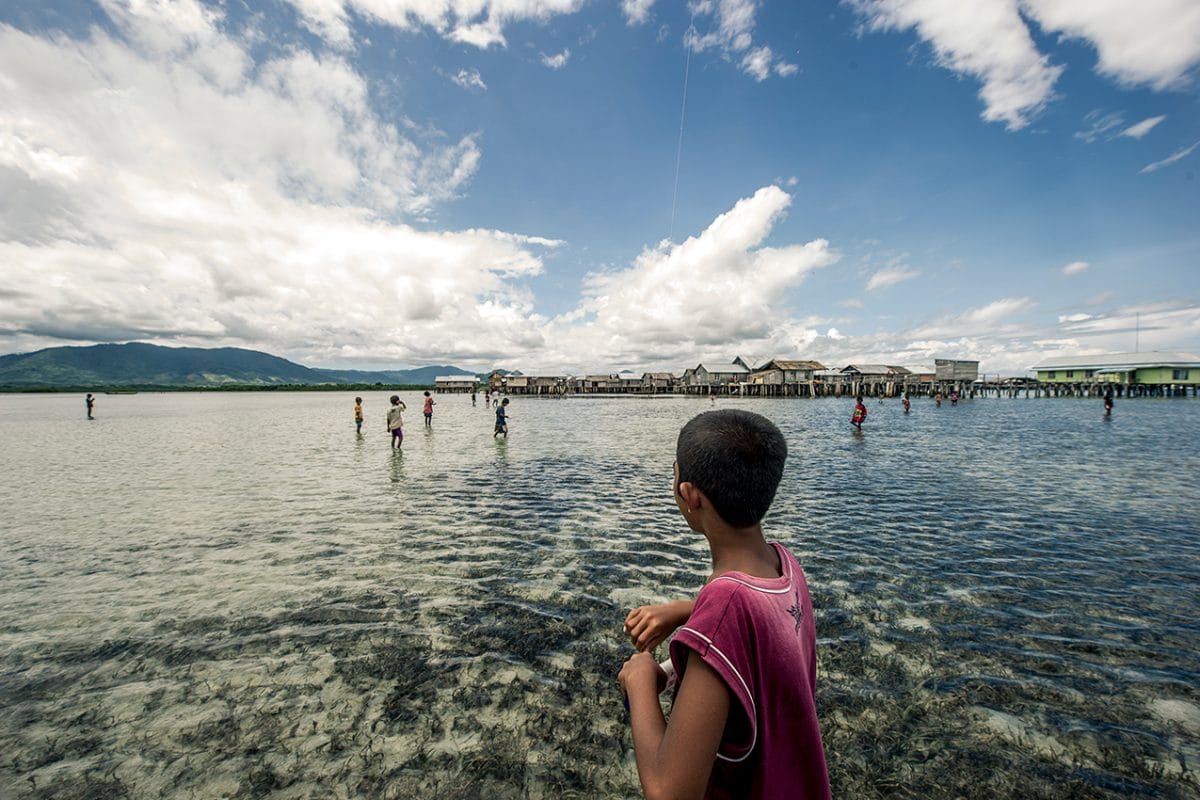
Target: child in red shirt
{"points": [[743, 718], [860, 414]]}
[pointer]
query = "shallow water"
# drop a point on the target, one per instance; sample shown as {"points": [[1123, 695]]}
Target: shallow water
{"points": [[227, 594]]}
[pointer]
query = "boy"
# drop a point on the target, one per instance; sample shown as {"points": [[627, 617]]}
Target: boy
{"points": [[91, 404], [743, 719], [428, 409], [860, 413], [395, 421], [358, 415], [501, 419]]}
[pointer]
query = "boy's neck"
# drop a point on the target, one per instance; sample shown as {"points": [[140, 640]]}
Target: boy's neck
{"points": [[742, 550]]}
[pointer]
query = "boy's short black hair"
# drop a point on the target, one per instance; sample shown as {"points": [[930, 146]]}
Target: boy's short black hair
{"points": [[736, 459]]}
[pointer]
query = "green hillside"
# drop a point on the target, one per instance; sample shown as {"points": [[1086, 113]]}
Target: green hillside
{"points": [[146, 365]]}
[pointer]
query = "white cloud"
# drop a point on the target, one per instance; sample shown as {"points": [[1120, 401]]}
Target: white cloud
{"points": [[711, 292], [470, 79], [1074, 317], [1075, 268], [170, 192], [986, 39], [558, 60], [1178, 155], [733, 36], [757, 63], [1154, 43], [636, 11], [1151, 42], [1100, 125], [1140, 129], [479, 23], [990, 320], [890, 276]]}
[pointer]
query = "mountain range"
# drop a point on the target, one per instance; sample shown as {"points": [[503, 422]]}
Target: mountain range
{"points": [[147, 365]]}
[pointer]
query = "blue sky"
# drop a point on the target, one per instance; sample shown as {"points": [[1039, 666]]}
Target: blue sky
{"points": [[388, 183]]}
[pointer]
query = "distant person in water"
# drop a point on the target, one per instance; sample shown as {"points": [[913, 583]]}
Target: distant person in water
{"points": [[358, 415], [712, 399], [954, 397], [428, 409], [1108, 401], [937, 398], [904, 400], [472, 398], [860, 413], [501, 420], [395, 421], [91, 405]]}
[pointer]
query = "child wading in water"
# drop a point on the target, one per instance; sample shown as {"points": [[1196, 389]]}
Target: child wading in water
{"points": [[743, 718], [395, 421], [860, 414], [358, 415], [501, 419], [428, 409]]}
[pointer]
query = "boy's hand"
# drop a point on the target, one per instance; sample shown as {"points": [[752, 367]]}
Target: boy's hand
{"points": [[642, 670], [648, 626]]}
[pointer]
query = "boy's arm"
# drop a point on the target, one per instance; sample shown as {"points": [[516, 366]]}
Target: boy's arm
{"points": [[675, 759], [649, 626]]}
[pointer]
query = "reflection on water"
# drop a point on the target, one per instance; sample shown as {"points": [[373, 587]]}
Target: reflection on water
{"points": [[233, 595]]}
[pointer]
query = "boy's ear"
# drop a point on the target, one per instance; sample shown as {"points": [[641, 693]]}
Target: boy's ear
{"points": [[692, 496]]}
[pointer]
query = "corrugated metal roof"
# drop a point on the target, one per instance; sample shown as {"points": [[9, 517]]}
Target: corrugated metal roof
{"points": [[780, 363], [875, 369], [1117, 361]]}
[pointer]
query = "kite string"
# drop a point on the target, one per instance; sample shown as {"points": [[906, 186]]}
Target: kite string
{"points": [[687, 66]]}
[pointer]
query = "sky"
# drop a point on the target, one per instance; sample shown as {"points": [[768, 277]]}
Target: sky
{"points": [[569, 186]]}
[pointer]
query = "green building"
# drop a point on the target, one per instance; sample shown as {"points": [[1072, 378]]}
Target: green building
{"points": [[1148, 369]]}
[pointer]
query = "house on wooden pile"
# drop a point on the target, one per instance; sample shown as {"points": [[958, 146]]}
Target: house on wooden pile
{"points": [[596, 384], [920, 373], [826, 382], [519, 383], [779, 377], [953, 370], [718, 379], [921, 379], [455, 384], [496, 380], [629, 382], [1154, 372], [657, 382], [874, 379], [548, 384]]}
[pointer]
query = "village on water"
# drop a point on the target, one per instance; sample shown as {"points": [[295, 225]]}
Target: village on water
{"points": [[1146, 374]]}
